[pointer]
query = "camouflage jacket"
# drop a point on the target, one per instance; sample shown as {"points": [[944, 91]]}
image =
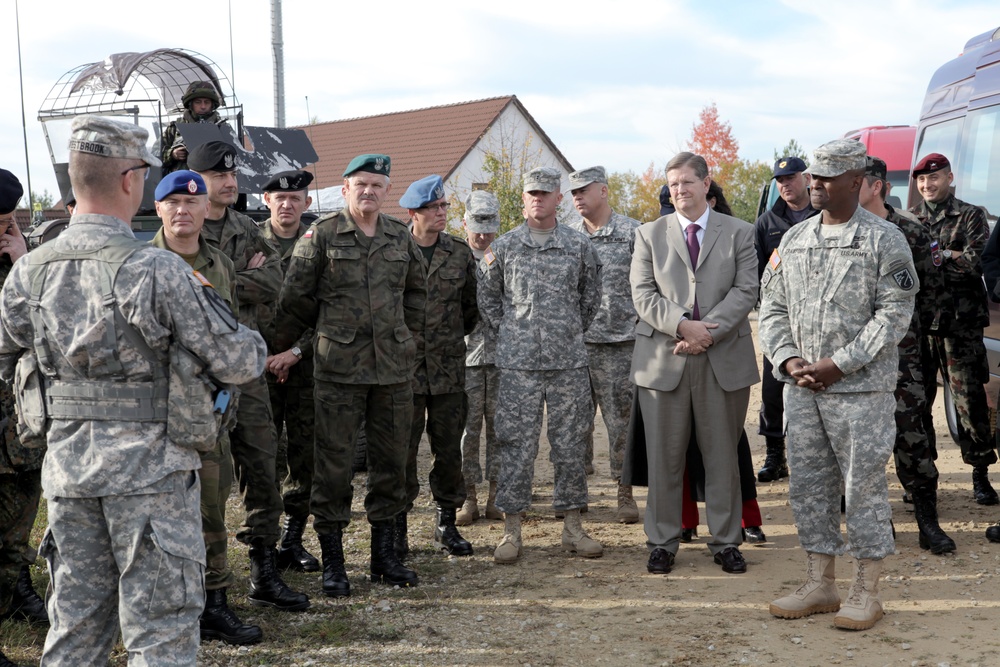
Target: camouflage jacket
{"points": [[240, 240], [961, 228], [13, 457], [171, 134], [451, 313], [365, 299], [847, 297], [163, 300], [614, 242], [301, 374], [932, 298], [538, 300]]}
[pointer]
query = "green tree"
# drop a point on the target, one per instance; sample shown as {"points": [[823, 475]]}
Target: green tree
{"points": [[792, 149], [637, 195], [743, 182], [45, 199]]}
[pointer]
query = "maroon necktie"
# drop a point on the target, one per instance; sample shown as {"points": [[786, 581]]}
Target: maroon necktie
{"points": [[693, 249]]}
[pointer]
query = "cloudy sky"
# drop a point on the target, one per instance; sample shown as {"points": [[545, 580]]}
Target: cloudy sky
{"points": [[620, 87]]}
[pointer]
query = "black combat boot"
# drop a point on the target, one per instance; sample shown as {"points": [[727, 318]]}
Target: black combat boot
{"points": [[981, 487], [335, 581], [446, 536], [218, 621], [774, 467], [6, 662], [400, 543], [266, 586], [386, 568], [291, 554], [25, 603], [931, 535]]}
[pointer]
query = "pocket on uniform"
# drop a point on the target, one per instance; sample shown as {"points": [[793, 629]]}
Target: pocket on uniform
{"points": [[179, 579]]}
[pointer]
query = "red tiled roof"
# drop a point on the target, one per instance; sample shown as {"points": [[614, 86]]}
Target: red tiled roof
{"points": [[420, 142]]}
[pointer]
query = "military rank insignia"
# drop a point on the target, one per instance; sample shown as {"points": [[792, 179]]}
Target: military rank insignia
{"points": [[936, 253], [489, 257]]}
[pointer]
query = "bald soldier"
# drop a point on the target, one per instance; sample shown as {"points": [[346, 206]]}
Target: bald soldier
{"points": [[610, 338], [182, 204], [289, 374], [357, 278], [258, 281]]}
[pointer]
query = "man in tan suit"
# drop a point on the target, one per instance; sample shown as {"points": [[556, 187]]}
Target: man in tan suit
{"points": [[694, 280]]}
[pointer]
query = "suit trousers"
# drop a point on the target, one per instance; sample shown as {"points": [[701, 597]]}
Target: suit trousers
{"points": [[717, 416]]}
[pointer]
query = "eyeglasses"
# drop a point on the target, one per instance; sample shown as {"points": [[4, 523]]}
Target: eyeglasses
{"points": [[139, 166], [443, 206]]}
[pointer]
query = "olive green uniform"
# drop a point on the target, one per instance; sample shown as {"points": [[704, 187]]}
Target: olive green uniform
{"points": [[217, 465], [253, 441], [365, 298]]}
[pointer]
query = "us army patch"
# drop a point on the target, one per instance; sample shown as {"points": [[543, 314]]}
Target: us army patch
{"points": [[766, 278], [489, 257], [775, 260], [903, 279]]}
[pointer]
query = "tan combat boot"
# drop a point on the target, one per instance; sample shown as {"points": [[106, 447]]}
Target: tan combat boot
{"points": [[862, 609], [577, 541], [628, 511], [509, 549], [817, 596], [469, 511], [492, 513]]}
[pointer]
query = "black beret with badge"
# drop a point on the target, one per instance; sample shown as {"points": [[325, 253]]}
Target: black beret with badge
{"points": [[289, 181], [212, 156], [11, 191]]}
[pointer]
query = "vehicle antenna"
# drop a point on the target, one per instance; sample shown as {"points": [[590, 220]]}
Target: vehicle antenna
{"points": [[24, 124], [309, 122], [232, 59]]}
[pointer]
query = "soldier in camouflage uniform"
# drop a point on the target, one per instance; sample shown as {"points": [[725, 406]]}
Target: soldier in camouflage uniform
{"points": [[837, 297], [289, 375], [481, 222], [182, 204], [611, 336], [253, 441], [20, 467], [201, 101], [357, 278], [957, 349], [913, 452], [124, 542], [539, 290], [439, 379]]}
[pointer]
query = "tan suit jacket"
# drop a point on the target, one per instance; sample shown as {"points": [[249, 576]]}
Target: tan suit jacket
{"points": [[664, 285]]}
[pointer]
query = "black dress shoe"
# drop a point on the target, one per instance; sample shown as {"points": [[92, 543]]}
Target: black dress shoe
{"points": [[993, 533], [754, 535], [731, 561], [688, 534], [661, 561]]}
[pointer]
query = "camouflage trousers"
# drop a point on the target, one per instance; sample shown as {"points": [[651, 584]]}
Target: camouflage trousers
{"points": [[444, 416], [20, 493], [840, 438], [961, 358], [138, 558], [388, 414], [216, 484], [610, 387], [254, 452], [523, 398], [481, 384], [914, 452], [294, 413]]}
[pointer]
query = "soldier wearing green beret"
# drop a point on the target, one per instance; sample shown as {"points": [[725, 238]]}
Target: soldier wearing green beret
{"points": [[357, 278]]}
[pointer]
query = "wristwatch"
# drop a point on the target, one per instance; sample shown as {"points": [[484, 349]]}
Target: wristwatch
{"points": [[296, 351], [946, 254]]}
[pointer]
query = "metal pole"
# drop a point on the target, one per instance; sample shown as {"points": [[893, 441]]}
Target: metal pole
{"points": [[24, 122], [278, 52]]}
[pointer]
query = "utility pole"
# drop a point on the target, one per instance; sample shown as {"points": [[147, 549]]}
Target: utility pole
{"points": [[278, 51]]}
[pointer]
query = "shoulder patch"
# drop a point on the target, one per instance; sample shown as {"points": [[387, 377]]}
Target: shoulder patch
{"points": [[202, 279], [488, 256], [936, 256], [308, 234], [904, 279], [775, 260]]}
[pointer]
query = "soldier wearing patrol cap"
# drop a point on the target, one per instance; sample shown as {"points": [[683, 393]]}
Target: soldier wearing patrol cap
{"points": [[957, 348], [539, 290], [254, 447], [290, 375], [837, 356], [439, 403], [358, 279], [124, 543], [181, 201], [914, 451], [610, 338], [201, 101], [481, 222], [791, 208], [20, 467]]}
